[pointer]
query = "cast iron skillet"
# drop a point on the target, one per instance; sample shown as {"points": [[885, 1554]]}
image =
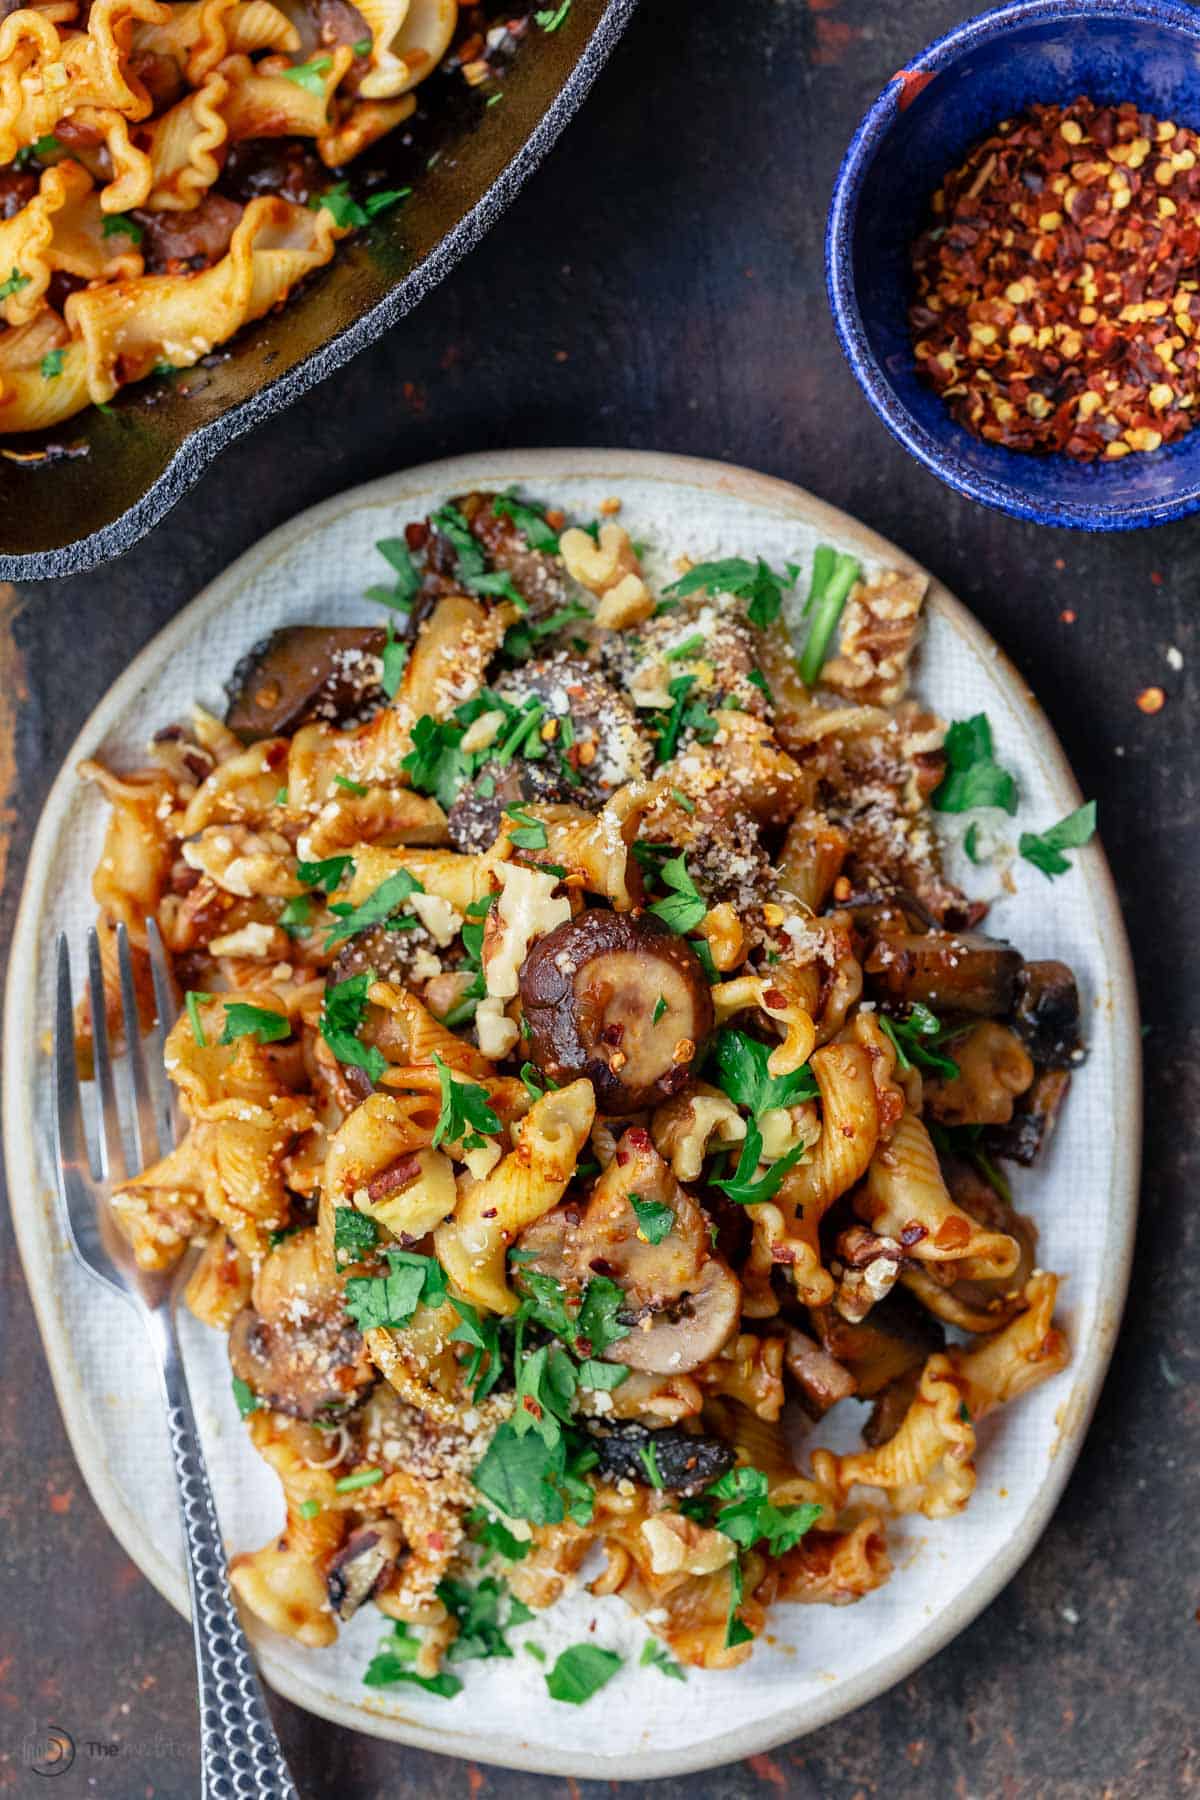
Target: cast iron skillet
{"points": [[60, 517]]}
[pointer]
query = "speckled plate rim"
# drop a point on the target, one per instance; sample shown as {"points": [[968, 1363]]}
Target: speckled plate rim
{"points": [[538, 469]]}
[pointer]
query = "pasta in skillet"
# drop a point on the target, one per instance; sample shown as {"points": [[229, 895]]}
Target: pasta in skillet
{"points": [[591, 1076], [170, 172]]}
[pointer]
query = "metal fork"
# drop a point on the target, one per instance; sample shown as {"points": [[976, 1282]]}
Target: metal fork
{"points": [[239, 1751]]}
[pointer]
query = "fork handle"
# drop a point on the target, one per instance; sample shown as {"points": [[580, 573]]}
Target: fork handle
{"points": [[239, 1751]]}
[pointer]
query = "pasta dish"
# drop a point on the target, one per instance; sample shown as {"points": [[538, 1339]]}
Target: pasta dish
{"points": [[592, 1078], [171, 172]]}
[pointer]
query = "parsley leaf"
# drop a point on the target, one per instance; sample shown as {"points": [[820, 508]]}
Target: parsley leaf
{"points": [[973, 776], [436, 765], [354, 1233], [601, 1376], [532, 832], [39, 151], [546, 1383], [736, 1632], [325, 875], [750, 1515], [528, 519], [310, 75], [521, 1476], [833, 575], [654, 1656], [375, 1301], [342, 1014], [394, 1663], [483, 1617], [295, 916], [193, 1000], [914, 1038], [408, 583], [741, 1186], [494, 1538], [683, 909], [348, 786], [482, 1332], [583, 1669], [244, 1020], [754, 582], [522, 638], [971, 844], [1044, 849], [465, 1114], [245, 1397], [589, 1327], [51, 364], [656, 1220], [742, 1073], [363, 45], [378, 907], [395, 657]]}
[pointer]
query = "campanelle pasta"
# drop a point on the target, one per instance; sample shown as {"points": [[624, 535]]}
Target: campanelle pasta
{"points": [[139, 146], [585, 1092]]}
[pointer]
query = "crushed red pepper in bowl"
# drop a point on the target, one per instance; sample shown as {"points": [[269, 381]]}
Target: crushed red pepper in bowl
{"points": [[1057, 286]]}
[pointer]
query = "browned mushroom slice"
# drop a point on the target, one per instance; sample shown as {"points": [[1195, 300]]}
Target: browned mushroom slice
{"points": [[683, 1303], [619, 1000], [1025, 1136], [897, 1336], [317, 1366], [303, 673], [362, 1565], [891, 1404], [1046, 1015], [820, 1377], [951, 972]]}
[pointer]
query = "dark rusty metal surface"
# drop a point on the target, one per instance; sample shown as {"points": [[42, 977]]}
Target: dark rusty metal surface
{"points": [[659, 284]]}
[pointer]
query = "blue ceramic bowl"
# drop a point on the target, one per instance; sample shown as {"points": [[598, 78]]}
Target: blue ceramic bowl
{"points": [[926, 117]]}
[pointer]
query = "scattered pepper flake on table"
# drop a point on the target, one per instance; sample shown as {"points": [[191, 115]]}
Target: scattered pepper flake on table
{"points": [[1058, 283], [1151, 700]]}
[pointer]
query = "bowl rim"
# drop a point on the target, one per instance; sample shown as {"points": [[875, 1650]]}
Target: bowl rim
{"points": [[1091, 1357], [869, 136], [201, 446]]}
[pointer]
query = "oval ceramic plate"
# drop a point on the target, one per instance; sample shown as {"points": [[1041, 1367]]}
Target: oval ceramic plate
{"points": [[817, 1663]]}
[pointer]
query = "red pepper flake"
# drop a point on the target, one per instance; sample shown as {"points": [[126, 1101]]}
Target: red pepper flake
{"points": [[1058, 283], [1151, 700], [1068, 615], [1157, 577]]}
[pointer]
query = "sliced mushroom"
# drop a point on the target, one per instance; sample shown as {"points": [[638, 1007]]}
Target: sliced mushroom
{"points": [[1046, 1015], [685, 1464], [1025, 1136], [316, 1367], [620, 1000], [891, 1404], [362, 1566], [820, 1377], [692, 1332], [949, 971], [897, 1336], [304, 673], [538, 575]]}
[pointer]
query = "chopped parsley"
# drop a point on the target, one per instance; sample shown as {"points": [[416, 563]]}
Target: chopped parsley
{"points": [[648, 1457], [245, 1397], [531, 832], [407, 585], [350, 787], [14, 284], [529, 520], [362, 1478], [394, 659], [973, 776], [310, 75], [51, 364], [736, 1630], [522, 638], [388, 1302], [741, 1067], [326, 875], [494, 1538], [193, 1000], [914, 1039], [354, 1233], [656, 1220], [754, 582], [436, 764], [39, 151], [261, 1022], [122, 225], [833, 575], [660, 1007], [342, 1015], [363, 46], [654, 1656], [749, 1515], [376, 909], [466, 1112], [588, 1324], [483, 1613], [685, 906], [482, 1332], [583, 1669], [971, 843], [394, 1663], [470, 561], [1044, 849], [741, 1186], [685, 713], [690, 647], [524, 1477]]}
